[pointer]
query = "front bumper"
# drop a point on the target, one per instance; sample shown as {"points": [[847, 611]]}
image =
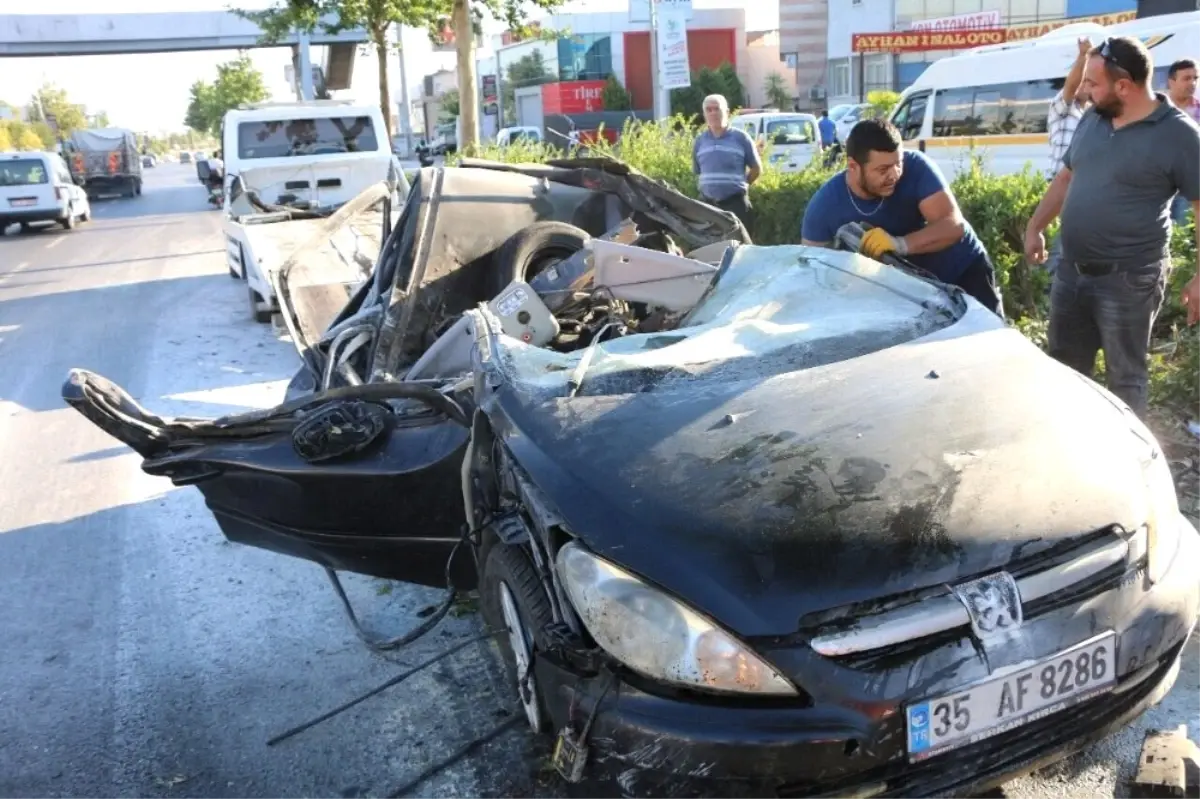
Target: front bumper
{"points": [[850, 739]]}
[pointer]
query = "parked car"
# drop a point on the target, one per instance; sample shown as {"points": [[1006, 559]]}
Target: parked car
{"points": [[771, 519], [846, 121], [37, 187]]}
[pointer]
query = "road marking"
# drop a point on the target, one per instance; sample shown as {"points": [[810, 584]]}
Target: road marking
{"points": [[16, 270], [54, 243]]}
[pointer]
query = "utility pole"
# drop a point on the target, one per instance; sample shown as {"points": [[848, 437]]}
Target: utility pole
{"points": [[405, 107], [304, 79], [655, 79]]}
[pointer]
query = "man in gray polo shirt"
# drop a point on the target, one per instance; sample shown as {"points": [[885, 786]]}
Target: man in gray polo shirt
{"points": [[726, 160], [1133, 150]]}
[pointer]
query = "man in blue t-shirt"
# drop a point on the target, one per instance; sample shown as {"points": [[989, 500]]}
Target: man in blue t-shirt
{"points": [[726, 160], [828, 129], [915, 216]]}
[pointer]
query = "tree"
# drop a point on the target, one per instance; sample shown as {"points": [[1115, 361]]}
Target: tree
{"points": [[30, 140], [615, 97], [377, 16], [237, 82], [200, 106], [54, 101], [706, 81], [101, 120], [6, 142], [449, 104], [528, 70], [776, 91], [882, 102]]}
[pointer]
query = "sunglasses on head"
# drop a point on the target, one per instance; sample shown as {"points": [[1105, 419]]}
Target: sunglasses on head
{"points": [[1109, 57]]}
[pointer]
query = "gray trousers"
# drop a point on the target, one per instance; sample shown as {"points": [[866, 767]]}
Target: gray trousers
{"points": [[1113, 313]]}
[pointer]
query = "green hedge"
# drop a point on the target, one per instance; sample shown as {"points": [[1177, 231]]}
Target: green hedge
{"points": [[998, 207]]}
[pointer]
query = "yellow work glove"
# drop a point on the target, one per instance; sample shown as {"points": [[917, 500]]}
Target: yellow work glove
{"points": [[878, 242]]}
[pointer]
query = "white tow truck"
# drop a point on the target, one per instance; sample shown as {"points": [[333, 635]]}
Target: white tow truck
{"points": [[288, 167]]}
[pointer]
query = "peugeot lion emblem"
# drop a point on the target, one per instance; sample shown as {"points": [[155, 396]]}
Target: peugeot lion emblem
{"points": [[993, 604]]}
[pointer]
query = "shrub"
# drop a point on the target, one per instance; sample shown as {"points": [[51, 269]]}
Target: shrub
{"points": [[997, 206]]}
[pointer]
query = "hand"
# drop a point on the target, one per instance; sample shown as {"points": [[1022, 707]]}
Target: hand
{"points": [[878, 242], [1085, 47], [1191, 299], [1035, 247]]}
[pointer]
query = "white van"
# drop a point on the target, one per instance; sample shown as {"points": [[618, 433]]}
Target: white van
{"points": [[38, 187], [792, 139], [511, 135], [993, 101], [278, 156]]}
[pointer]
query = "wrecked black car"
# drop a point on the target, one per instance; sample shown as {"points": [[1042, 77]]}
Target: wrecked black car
{"points": [[772, 520]]}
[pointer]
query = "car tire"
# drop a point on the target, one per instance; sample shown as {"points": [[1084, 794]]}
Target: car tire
{"points": [[536, 248], [69, 222], [512, 599], [26, 228], [86, 216]]}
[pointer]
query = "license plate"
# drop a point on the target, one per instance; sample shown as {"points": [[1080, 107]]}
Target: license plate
{"points": [[21, 201], [1000, 704]]}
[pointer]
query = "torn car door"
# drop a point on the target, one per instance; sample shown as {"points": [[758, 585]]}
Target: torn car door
{"points": [[346, 480]]}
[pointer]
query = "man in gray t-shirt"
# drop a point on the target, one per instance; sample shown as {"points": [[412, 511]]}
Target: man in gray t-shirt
{"points": [[1133, 150], [726, 161]]}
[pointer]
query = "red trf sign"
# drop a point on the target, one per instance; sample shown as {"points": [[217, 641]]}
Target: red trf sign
{"points": [[573, 97]]}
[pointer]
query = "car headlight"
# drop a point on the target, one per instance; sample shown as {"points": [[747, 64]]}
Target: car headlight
{"points": [[1158, 539], [658, 636]]}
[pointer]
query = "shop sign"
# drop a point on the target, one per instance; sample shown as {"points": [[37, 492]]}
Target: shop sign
{"points": [[960, 22], [573, 97], [1018, 33], [925, 41]]}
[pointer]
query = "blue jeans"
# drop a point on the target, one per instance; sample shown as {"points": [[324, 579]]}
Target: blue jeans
{"points": [[1113, 313], [1179, 209]]}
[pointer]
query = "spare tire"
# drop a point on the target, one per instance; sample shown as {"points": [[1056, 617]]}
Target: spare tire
{"points": [[534, 249]]}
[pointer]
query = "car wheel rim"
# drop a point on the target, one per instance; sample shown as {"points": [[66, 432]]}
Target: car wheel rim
{"points": [[518, 641]]}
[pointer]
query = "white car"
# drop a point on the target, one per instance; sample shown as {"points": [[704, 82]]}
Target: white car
{"points": [[37, 187], [845, 122]]}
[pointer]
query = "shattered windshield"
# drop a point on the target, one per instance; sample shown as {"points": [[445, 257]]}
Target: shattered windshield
{"points": [[288, 138], [775, 310], [23, 172]]}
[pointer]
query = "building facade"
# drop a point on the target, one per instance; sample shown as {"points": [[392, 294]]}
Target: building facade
{"points": [[598, 44], [803, 47], [1028, 17], [850, 76]]}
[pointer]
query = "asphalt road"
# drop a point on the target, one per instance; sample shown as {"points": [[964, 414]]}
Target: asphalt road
{"points": [[144, 655]]}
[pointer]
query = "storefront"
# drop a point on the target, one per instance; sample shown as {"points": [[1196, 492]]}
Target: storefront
{"points": [[1023, 19], [603, 44]]}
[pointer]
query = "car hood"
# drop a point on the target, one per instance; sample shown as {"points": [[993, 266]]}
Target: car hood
{"points": [[759, 502]]}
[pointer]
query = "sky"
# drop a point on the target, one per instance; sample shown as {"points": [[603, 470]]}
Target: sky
{"points": [[149, 92]]}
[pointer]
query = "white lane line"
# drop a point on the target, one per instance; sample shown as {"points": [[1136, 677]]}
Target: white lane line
{"points": [[54, 243], [15, 271]]}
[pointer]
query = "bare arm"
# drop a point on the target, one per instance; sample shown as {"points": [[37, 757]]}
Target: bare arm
{"points": [[1075, 76], [1052, 203], [944, 225]]}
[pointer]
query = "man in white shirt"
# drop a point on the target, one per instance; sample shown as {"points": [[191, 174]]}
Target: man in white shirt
{"points": [[1181, 88], [1061, 121]]}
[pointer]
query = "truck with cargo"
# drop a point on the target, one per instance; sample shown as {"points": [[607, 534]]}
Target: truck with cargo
{"points": [[105, 161], [289, 167]]}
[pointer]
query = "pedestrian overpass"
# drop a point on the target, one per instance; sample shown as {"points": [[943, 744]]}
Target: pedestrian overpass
{"points": [[42, 35]]}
